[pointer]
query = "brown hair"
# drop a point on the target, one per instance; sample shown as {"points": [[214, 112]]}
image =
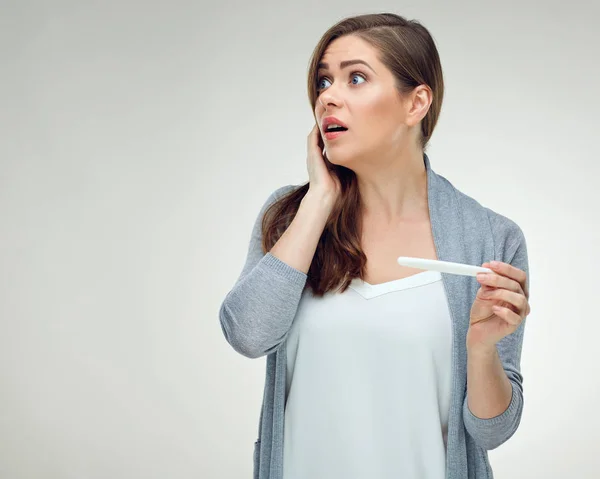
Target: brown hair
{"points": [[407, 49]]}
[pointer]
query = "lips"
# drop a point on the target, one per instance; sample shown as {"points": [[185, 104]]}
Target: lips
{"points": [[330, 120], [331, 135]]}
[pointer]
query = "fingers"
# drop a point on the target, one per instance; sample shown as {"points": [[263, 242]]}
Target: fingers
{"points": [[518, 300], [510, 271], [313, 139], [499, 281], [508, 315]]}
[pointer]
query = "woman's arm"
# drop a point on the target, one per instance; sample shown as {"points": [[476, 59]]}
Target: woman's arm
{"points": [[257, 314], [491, 432]]}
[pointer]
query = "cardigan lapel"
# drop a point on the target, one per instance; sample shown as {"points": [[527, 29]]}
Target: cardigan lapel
{"points": [[458, 237], [446, 226]]}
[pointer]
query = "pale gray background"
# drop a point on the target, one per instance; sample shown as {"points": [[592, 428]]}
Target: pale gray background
{"points": [[138, 143]]}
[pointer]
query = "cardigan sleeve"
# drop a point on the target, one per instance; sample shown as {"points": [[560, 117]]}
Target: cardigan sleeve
{"points": [[492, 432], [257, 313]]}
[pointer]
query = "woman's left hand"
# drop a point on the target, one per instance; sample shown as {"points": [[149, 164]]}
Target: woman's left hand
{"points": [[505, 287]]}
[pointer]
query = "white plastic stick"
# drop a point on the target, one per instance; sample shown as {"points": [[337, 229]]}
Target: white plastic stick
{"points": [[442, 266]]}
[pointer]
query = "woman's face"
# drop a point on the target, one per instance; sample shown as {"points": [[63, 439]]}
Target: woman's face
{"points": [[363, 97]]}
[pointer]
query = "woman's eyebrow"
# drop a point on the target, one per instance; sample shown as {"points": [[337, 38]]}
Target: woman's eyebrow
{"points": [[344, 64]]}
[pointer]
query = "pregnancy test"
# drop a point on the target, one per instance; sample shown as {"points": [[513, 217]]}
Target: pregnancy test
{"points": [[442, 266]]}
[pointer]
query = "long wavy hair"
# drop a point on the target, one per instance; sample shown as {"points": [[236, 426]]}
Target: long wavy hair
{"points": [[408, 50]]}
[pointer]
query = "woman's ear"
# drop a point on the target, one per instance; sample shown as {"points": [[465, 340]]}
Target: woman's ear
{"points": [[419, 102]]}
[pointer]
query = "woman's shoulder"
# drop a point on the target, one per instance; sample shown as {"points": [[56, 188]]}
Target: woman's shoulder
{"points": [[284, 190], [498, 221], [275, 195], [504, 230]]}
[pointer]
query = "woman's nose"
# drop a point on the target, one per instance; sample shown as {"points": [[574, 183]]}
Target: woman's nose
{"points": [[327, 99]]}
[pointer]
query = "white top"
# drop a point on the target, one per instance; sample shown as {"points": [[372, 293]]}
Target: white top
{"points": [[343, 418]]}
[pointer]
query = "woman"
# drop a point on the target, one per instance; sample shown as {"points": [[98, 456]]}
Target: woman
{"points": [[375, 370]]}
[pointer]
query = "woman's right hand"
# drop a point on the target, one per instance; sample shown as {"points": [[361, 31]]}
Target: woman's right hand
{"points": [[322, 181]]}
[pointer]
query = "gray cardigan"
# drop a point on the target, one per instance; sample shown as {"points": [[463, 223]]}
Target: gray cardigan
{"points": [[258, 311]]}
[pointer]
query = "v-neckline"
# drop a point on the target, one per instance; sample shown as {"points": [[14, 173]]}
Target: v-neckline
{"points": [[368, 291]]}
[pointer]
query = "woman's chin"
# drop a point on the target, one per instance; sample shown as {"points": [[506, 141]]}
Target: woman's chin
{"points": [[340, 159]]}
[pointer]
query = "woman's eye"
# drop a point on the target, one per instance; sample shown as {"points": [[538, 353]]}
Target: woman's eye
{"points": [[320, 85], [358, 75]]}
